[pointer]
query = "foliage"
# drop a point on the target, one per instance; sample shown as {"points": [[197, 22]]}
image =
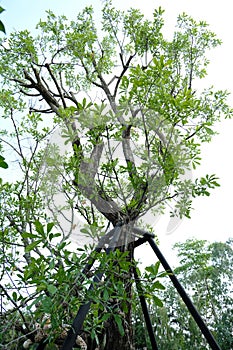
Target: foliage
{"points": [[123, 104]]}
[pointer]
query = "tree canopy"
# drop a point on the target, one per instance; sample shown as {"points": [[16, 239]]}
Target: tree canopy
{"points": [[125, 104]]}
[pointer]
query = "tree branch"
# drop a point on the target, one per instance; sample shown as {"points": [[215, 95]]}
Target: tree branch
{"points": [[125, 68], [56, 84]]}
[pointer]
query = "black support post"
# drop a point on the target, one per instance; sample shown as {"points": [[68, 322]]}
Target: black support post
{"points": [[145, 310], [79, 319]]}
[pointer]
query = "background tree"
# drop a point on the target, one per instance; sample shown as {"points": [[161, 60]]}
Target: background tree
{"points": [[125, 87], [205, 270]]}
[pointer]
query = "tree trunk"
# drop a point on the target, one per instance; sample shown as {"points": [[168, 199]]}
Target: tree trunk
{"points": [[116, 341]]}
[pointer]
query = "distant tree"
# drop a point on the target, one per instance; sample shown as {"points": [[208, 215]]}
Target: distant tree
{"points": [[205, 270], [122, 87]]}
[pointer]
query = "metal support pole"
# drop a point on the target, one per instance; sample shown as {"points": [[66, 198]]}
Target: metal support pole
{"points": [[145, 310], [79, 319]]}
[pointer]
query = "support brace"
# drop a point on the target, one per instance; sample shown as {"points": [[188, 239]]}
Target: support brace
{"points": [[113, 237]]}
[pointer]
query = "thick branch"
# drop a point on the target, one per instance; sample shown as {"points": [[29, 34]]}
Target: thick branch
{"points": [[87, 185], [56, 84]]}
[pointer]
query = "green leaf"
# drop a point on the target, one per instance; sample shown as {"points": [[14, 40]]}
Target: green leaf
{"points": [[47, 303], [28, 235], [163, 274], [118, 321], [106, 316], [61, 245], [3, 164], [156, 268], [39, 227], [149, 269], [51, 289], [1, 9], [157, 301], [153, 269], [105, 295], [14, 296], [84, 230], [2, 27], [35, 301], [32, 245], [50, 226], [209, 131], [51, 264], [158, 285], [84, 102], [53, 235]]}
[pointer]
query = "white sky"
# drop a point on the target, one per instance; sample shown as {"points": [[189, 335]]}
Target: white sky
{"points": [[211, 218]]}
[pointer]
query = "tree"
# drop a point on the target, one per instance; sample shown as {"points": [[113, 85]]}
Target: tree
{"points": [[205, 270], [122, 87]]}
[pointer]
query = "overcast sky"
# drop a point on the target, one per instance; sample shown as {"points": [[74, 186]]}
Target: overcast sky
{"points": [[211, 218]]}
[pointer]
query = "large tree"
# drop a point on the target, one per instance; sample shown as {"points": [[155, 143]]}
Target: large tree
{"points": [[131, 119]]}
